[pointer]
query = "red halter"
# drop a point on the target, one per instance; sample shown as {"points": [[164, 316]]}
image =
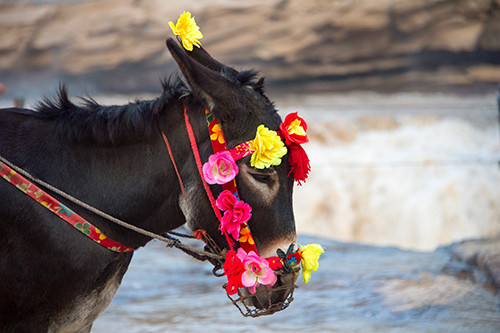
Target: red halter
{"points": [[232, 266]]}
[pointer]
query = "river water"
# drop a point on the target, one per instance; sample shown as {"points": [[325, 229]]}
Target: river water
{"points": [[356, 289]]}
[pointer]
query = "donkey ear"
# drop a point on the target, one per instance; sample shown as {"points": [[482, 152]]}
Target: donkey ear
{"points": [[206, 83], [203, 57]]}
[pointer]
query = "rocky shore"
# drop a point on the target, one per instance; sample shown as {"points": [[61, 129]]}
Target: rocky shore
{"points": [[388, 45], [483, 254]]}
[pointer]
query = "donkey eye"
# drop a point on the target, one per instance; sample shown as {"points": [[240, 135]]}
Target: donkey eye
{"points": [[263, 178], [266, 176], [264, 182]]}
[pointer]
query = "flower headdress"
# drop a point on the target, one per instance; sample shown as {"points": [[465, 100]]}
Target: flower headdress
{"points": [[245, 267], [187, 30]]}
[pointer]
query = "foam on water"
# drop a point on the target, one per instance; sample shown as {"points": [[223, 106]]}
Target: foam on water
{"points": [[413, 171]]}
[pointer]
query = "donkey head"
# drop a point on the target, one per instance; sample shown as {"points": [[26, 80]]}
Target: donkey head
{"points": [[237, 100]]}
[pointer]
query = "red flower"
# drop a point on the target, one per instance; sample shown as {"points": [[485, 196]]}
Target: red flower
{"points": [[293, 129], [275, 263], [299, 162]]}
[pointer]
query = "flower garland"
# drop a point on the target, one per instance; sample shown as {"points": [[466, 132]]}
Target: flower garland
{"points": [[244, 267]]}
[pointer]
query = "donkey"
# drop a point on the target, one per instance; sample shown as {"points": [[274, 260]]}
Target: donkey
{"points": [[53, 278]]}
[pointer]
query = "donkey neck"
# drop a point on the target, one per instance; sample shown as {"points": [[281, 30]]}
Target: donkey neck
{"points": [[137, 183], [133, 180]]}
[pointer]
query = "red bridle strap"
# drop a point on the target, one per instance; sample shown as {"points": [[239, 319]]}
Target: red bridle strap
{"points": [[175, 164], [196, 154], [218, 145]]}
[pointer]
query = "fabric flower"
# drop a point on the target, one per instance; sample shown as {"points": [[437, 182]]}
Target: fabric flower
{"points": [[84, 227], [294, 129], [257, 271], [293, 132], [226, 200], [310, 257], [246, 236], [268, 148], [187, 30], [217, 134], [299, 162], [236, 213], [275, 263], [220, 168]]}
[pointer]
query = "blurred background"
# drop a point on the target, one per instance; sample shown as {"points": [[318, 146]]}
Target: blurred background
{"points": [[401, 101], [400, 95]]}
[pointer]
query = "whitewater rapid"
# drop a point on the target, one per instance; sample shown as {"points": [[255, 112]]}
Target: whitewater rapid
{"points": [[414, 171]]}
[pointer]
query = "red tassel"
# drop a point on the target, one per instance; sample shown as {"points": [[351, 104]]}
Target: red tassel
{"points": [[233, 267], [199, 234], [299, 162]]}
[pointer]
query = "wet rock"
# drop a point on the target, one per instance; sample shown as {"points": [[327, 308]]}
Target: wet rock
{"points": [[484, 254], [390, 44]]}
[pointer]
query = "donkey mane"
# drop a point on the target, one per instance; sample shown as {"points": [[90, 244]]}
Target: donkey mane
{"points": [[90, 123]]}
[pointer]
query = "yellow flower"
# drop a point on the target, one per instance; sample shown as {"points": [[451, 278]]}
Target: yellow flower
{"points": [[268, 148], [310, 257], [187, 30]]}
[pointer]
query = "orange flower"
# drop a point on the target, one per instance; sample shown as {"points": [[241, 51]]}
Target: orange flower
{"points": [[246, 236], [217, 134]]}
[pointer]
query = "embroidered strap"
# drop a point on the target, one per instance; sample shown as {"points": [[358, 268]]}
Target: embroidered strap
{"points": [[218, 145], [60, 210], [241, 150], [197, 158]]}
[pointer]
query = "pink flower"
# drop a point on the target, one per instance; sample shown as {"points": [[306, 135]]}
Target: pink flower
{"points": [[257, 271], [236, 213], [226, 200], [220, 168]]}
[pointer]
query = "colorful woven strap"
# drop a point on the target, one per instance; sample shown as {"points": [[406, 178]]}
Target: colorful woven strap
{"points": [[241, 150], [60, 210]]}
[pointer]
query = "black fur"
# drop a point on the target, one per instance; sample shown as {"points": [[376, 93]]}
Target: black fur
{"points": [[114, 158]]}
